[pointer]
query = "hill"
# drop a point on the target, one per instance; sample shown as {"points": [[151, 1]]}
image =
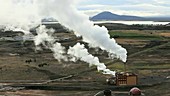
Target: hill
{"points": [[111, 16]]}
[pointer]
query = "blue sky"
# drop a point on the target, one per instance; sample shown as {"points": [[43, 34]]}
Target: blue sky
{"points": [[126, 7]]}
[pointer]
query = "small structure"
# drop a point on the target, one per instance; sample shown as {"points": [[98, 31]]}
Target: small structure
{"points": [[123, 78], [126, 78]]}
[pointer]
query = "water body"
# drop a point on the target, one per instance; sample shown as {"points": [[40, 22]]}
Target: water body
{"points": [[134, 22]]}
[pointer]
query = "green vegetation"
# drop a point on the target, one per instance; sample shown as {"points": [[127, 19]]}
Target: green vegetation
{"points": [[134, 35], [121, 33], [118, 66], [145, 72], [161, 66]]}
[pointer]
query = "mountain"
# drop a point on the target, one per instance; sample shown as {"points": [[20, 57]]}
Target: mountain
{"points": [[110, 16]]}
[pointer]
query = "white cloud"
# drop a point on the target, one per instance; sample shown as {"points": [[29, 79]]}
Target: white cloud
{"points": [[129, 7], [162, 1], [122, 12]]}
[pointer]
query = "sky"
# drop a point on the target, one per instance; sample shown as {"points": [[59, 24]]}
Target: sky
{"points": [[144, 8]]}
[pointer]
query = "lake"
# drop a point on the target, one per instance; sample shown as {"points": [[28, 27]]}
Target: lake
{"points": [[134, 22]]}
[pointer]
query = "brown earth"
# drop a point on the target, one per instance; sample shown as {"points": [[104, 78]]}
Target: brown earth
{"points": [[151, 63]]}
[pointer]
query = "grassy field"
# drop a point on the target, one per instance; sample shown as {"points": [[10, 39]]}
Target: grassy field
{"points": [[148, 56], [132, 34]]}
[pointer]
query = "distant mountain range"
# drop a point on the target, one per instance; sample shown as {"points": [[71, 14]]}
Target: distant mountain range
{"points": [[111, 16]]}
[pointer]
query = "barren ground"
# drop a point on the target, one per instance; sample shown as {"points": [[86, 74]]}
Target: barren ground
{"points": [[149, 58]]}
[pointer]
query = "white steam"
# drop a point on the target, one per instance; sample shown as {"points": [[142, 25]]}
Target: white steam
{"points": [[19, 13], [45, 38], [80, 52], [96, 36], [25, 14]]}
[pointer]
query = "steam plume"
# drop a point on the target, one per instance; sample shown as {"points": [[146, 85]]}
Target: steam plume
{"points": [[24, 14], [80, 52], [19, 13], [94, 35], [45, 37]]}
